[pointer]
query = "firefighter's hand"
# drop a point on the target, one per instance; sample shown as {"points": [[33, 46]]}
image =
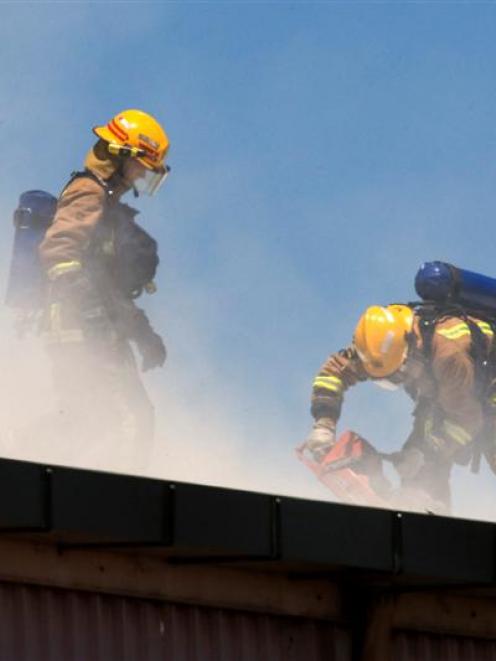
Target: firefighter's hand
{"points": [[321, 438], [408, 462], [152, 350]]}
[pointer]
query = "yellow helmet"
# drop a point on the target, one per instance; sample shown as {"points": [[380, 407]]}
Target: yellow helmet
{"points": [[381, 338], [137, 134]]}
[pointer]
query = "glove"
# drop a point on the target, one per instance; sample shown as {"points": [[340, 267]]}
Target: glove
{"points": [[134, 324], [152, 350], [150, 344], [321, 438], [408, 462]]}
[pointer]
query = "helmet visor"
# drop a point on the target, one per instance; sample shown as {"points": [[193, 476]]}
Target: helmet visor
{"points": [[151, 180]]}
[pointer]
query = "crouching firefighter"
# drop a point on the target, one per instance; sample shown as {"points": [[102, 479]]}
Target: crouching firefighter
{"points": [[445, 360], [97, 260]]}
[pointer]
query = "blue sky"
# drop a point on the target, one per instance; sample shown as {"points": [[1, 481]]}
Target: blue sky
{"points": [[320, 152]]}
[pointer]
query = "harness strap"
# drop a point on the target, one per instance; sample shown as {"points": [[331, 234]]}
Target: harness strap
{"points": [[484, 357], [89, 174]]}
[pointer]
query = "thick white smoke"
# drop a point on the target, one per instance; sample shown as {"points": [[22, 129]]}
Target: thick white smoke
{"points": [[208, 430], [204, 433]]}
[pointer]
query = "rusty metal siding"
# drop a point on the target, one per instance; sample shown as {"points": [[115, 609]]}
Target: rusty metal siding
{"points": [[45, 624], [413, 646]]}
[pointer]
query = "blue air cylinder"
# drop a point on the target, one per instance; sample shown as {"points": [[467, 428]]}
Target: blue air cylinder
{"points": [[444, 283], [32, 218]]}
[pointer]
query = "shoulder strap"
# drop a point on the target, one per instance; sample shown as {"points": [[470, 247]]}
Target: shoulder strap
{"points": [[88, 174], [484, 356], [428, 316]]}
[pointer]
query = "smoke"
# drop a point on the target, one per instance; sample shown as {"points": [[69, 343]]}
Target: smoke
{"points": [[212, 426], [201, 435], [289, 209], [232, 401]]}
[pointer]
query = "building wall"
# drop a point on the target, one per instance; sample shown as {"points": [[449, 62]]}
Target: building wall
{"points": [[65, 603], [412, 646], [46, 624], [442, 625]]}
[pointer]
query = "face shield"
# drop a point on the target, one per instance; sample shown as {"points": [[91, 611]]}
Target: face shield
{"points": [[386, 384], [151, 180]]}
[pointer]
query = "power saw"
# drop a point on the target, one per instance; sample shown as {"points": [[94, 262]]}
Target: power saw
{"points": [[352, 470]]}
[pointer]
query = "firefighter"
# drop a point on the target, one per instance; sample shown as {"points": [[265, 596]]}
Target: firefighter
{"points": [[97, 261], [444, 361]]}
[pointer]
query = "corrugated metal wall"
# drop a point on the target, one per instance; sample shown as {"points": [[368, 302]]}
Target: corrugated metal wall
{"points": [[44, 624], [410, 646]]}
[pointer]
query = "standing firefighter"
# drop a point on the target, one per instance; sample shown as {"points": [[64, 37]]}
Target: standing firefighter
{"points": [[444, 360], [97, 261]]}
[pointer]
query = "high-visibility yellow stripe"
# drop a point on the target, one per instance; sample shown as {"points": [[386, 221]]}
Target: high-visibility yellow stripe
{"points": [[485, 328], [330, 379], [63, 267], [324, 386], [73, 336], [332, 383], [461, 330], [454, 333], [327, 386], [58, 334], [457, 432], [450, 431]]}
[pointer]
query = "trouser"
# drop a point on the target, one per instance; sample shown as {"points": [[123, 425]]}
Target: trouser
{"points": [[100, 395], [426, 469], [432, 479]]}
